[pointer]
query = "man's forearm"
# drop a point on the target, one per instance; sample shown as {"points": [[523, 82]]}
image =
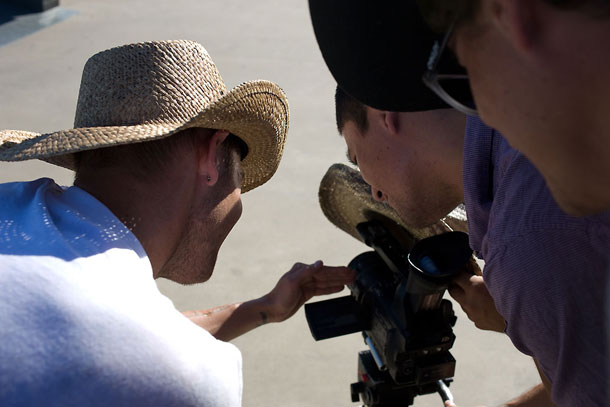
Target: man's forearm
{"points": [[293, 289], [537, 396], [230, 321]]}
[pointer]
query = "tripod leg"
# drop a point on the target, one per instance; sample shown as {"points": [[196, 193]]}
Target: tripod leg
{"points": [[444, 391]]}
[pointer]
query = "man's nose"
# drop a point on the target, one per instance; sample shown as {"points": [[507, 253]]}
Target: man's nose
{"points": [[378, 195]]}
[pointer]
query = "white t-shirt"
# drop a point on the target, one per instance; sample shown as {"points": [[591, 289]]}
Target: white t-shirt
{"points": [[82, 322]]}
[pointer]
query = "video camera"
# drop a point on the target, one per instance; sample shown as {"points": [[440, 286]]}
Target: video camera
{"points": [[396, 302]]}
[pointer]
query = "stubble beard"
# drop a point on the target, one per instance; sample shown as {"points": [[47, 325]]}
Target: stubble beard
{"points": [[194, 258], [427, 211]]}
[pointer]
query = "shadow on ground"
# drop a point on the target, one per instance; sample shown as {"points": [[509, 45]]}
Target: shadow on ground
{"points": [[8, 12], [17, 22]]}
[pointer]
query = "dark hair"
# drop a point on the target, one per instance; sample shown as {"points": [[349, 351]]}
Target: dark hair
{"points": [[149, 158], [440, 14], [596, 8], [347, 108]]}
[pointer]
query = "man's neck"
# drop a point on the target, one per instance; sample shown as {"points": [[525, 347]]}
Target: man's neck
{"points": [[155, 214], [455, 154]]}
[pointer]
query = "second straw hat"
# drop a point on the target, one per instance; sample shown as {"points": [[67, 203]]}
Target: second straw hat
{"points": [[346, 200]]}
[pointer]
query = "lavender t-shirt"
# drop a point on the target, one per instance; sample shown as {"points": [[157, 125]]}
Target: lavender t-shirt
{"points": [[546, 271]]}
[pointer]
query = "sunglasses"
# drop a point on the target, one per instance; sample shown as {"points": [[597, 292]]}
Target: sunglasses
{"points": [[441, 84]]}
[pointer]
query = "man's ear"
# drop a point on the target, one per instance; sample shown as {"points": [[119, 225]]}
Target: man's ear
{"points": [[391, 122], [383, 119], [518, 20], [208, 169]]}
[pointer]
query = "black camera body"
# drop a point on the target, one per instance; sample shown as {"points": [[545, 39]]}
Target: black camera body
{"points": [[396, 302]]}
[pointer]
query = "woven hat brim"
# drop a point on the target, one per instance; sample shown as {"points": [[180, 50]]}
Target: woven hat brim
{"points": [[255, 111], [346, 200]]}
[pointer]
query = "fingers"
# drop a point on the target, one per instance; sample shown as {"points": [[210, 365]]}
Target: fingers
{"points": [[319, 271], [472, 267], [318, 276], [304, 272], [338, 275], [457, 293], [296, 267], [462, 279], [463, 285], [324, 280], [318, 279], [314, 290]]}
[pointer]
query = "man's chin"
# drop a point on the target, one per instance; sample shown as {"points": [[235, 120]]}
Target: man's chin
{"points": [[414, 219], [188, 274], [190, 280]]}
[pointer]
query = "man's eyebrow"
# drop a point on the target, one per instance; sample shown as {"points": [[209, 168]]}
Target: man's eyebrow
{"points": [[349, 158]]}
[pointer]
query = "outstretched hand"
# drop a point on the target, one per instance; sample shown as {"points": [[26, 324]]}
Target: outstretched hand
{"points": [[293, 289], [472, 295], [301, 283]]}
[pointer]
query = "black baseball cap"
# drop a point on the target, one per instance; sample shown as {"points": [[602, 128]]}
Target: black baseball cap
{"points": [[377, 51]]}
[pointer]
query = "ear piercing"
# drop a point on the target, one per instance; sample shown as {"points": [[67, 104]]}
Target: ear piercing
{"points": [[209, 178]]}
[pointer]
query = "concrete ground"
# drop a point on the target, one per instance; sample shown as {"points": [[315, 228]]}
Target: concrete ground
{"points": [[282, 222]]}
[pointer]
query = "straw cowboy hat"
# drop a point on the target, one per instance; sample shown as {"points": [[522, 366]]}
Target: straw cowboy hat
{"points": [[346, 200], [151, 90]]}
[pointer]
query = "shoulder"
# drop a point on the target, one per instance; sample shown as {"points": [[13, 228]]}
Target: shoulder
{"points": [[41, 218], [16, 194], [522, 204], [75, 330]]}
